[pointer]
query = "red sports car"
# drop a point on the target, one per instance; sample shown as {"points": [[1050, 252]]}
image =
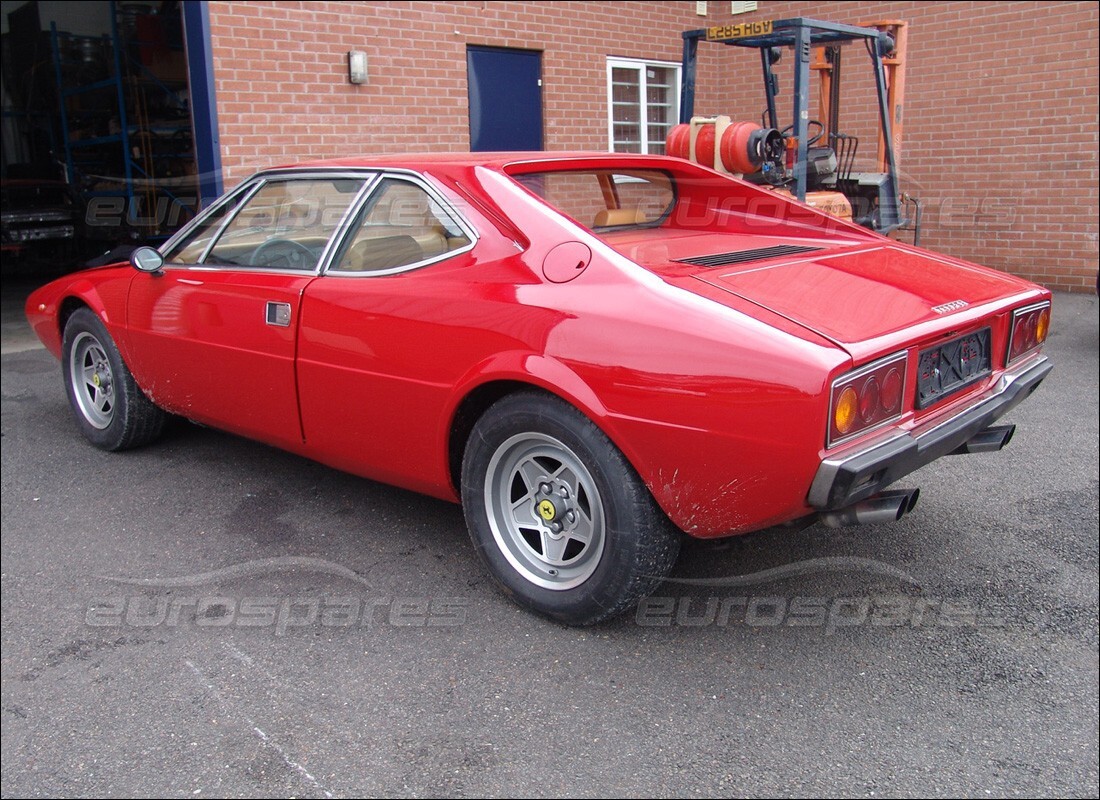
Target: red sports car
{"points": [[592, 353]]}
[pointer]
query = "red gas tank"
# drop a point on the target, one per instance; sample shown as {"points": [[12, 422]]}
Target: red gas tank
{"points": [[744, 147]]}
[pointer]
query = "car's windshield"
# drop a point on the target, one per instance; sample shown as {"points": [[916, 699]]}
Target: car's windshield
{"points": [[603, 199]]}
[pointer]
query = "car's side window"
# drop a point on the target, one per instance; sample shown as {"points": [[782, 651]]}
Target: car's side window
{"points": [[400, 225], [190, 249], [285, 224]]}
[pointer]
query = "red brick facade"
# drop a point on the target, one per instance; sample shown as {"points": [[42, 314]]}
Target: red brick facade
{"points": [[1001, 113]]}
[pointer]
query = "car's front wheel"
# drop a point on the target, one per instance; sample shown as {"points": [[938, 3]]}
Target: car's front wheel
{"points": [[110, 409], [557, 513]]}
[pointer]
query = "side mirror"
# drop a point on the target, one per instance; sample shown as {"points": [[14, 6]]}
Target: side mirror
{"points": [[147, 259]]}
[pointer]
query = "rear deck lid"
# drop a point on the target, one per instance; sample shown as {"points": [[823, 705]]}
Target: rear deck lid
{"points": [[858, 295]]}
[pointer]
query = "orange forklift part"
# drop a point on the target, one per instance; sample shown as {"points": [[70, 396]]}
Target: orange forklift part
{"points": [[834, 203], [894, 66], [894, 69]]}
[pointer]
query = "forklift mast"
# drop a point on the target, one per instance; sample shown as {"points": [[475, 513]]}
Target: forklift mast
{"points": [[816, 47]]}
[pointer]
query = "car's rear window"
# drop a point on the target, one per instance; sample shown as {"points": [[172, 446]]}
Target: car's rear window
{"points": [[606, 199]]}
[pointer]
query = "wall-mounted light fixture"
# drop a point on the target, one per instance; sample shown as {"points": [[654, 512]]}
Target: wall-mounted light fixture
{"points": [[357, 66]]}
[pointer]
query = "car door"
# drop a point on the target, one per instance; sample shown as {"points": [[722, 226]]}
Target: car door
{"points": [[372, 374], [213, 336]]}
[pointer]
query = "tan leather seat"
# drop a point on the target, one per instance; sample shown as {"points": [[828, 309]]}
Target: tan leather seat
{"points": [[432, 241], [610, 217], [431, 238], [383, 252]]}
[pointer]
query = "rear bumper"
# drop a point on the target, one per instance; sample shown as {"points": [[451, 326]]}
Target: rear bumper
{"points": [[857, 475]]}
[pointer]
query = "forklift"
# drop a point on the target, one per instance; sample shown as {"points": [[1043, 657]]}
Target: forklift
{"points": [[811, 158]]}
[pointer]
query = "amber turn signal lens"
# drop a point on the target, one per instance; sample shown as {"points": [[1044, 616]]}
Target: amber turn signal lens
{"points": [[1042, 326], [847, 407]]}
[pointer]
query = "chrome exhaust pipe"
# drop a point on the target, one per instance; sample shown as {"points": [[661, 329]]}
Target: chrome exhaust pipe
{"points": [[990, 440], [884, 507]]}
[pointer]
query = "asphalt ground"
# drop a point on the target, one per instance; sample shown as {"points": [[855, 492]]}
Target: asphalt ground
{"points": [[209, 616]]}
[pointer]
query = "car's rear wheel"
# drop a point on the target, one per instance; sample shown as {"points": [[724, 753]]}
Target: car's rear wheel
{"points": [[557, 513], [110, 409]]}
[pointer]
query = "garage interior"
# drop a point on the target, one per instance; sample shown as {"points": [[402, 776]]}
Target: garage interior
{"points": [[98, 138]]}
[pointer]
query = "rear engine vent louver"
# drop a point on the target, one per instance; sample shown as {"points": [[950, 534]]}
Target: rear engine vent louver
{"points": [[745, 256]]}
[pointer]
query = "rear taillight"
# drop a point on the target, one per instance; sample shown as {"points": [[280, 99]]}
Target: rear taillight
{"points": [[867, 398], [1029, 330]]}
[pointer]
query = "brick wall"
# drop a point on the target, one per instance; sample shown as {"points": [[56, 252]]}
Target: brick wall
{"points": [[1001, 113], [283, 93]]}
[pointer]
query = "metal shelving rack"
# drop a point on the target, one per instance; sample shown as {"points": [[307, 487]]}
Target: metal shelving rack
{"points": [[124, 153]]}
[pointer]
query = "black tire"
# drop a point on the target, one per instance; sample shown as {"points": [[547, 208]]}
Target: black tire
{"points": [[613, 545], [110, 410]]}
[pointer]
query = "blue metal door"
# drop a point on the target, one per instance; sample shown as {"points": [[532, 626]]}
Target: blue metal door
{"points": [[505, 89]]}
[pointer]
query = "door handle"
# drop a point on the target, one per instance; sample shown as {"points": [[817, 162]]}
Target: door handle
{"points": [[278, 314]]}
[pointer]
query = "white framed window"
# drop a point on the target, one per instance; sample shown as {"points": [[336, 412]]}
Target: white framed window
{"points": [[643, 103]]}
